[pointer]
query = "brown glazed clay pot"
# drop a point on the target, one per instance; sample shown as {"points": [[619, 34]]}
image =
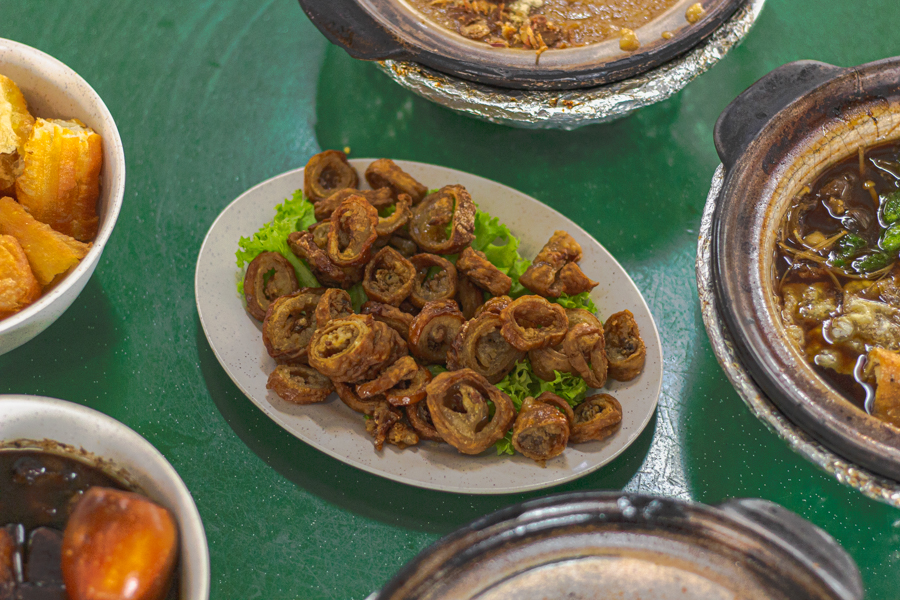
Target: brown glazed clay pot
{"points": [[392, 29], [777, 136], [610, 545]]}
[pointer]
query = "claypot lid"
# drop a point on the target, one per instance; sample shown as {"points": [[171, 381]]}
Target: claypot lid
{"points": [[775, 137], [630, 547], [393, 29]]}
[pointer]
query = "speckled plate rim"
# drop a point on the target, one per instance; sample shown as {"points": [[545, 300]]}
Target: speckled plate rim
{"points": [[870, 484], [571, 109], [334, 429]]}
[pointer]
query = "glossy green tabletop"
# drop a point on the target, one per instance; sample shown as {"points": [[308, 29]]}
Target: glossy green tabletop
{"points": [[213, 97]]}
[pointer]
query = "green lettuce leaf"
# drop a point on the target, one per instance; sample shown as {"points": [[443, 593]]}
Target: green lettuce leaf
{"points": [[500, 247], [294, 214], [504, 446], [582, 300]]}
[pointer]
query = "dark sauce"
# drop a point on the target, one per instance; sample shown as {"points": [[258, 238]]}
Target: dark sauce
{"points": [[38, 492], [841, 199]]}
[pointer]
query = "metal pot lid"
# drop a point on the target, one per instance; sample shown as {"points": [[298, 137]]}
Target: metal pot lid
{"points": [[629, 547], [394, 30], [789, 118]]}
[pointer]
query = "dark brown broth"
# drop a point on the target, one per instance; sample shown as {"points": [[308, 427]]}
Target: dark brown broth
{"points": [[821, 218], [40, 489]]}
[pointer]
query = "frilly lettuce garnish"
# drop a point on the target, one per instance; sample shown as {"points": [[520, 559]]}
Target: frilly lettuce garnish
{"points": [[294, 214]]}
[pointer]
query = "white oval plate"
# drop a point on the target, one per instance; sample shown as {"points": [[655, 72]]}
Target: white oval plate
{"points": [[333, 428]]}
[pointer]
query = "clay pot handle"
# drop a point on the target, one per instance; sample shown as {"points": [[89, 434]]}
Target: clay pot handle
{"points": [[743, 120], [347, 25], [805, 542]]}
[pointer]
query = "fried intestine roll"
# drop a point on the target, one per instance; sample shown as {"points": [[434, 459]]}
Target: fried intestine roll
{"points": [[480, 346], [585, 347], [384, 173], [326, 173], [458, 404], [546, 361], [289, 325], [624, 346], [435, 279], [420, 418], [302, 244], [334, 304], [391, 316], [596, 418], [377, 198], [474, 265], [16, 124], [433, 330], [352, 232], [389, 277], [60, 180], [554, 271], [542, 429], [404, 369], [468, 295], [299, 384], [387, 226], [532, 322], [354, 348], [450, 209], [269, 276], [385, 423]]}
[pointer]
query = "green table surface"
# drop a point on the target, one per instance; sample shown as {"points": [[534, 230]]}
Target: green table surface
{"points": [[213, 97]]}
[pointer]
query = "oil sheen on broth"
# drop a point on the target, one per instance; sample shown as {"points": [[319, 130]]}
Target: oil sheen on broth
{"points": [[542, 24], [836, 268]]}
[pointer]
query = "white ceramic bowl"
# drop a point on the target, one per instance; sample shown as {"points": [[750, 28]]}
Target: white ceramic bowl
{"points": [[83, 433], [53, 90]]}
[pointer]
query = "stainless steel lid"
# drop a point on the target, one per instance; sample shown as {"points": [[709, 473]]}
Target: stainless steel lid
{"points": [[579, 546]]}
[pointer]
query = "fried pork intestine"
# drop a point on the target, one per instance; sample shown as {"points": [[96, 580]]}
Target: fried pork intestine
{"points": [[384, 173], [354, 348], [596, 418], [480, 346], [542, 429], [451, 206], [433, 330], [554, 270], [483, 273], [436, 279], [585, 347], [289, 325], [389, 277], [299, 384], [302, 244], [458, 403], [326, 173], [269, 276], [420, 418], [385, 424], [625, 348], [545, 361], [334, 304], [402, 370], [378, 198], [352, 233], [391, 316], [531, 322], [387, 226], [468, 295]]}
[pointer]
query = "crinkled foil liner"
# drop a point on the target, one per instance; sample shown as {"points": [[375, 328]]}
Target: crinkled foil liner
{"points": [[873, 486], [570, 109]]}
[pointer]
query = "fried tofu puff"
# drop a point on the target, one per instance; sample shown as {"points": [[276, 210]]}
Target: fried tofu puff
{"points": [[16, 124], [886, 367], [18, 286], [60, 181]]}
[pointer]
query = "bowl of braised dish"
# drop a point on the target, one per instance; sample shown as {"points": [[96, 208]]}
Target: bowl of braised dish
{"points": [[89, 509], [631, 547], [62, 180], [805, 251], [525, 44]]}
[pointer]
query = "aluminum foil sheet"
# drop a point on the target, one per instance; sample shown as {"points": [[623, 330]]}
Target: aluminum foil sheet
{"points": [[870, 484], [571, 109]]}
